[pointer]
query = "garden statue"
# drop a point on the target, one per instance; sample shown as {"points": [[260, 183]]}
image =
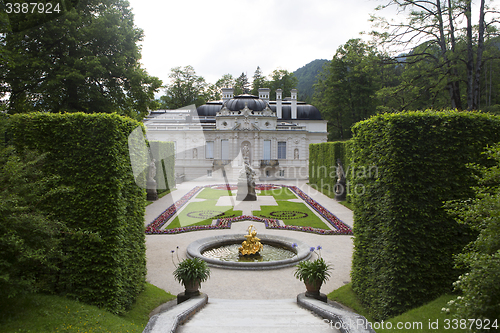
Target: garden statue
{"points": [[246, 184], [340, 186], [152, 195], [245, 151], [252, 245]]}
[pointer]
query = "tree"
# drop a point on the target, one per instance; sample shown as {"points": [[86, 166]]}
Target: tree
{"points": [[434, 23], [226, 81], [345, 89], [29, 237], [259, 81], [86, 59], [281, 79], [481, 259], [185, 88], [415, 84], [242, 86]]}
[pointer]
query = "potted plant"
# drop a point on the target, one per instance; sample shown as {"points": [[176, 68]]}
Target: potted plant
{"points": [[191, 273], [313, 273]]}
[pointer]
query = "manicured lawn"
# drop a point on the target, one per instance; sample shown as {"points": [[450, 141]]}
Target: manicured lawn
{"points": [[210, 193], [292, 213], [202, 213], [281, 193], [48, 313], [422, 319]]}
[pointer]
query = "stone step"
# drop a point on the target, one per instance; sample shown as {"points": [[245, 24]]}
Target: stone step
{"points": [[261, 316]]}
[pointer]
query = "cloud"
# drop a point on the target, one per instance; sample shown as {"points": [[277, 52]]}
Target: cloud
{"points": [[226, 36]]}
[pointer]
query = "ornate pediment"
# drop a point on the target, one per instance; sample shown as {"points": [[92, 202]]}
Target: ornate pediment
{"points": [[246, 112]]}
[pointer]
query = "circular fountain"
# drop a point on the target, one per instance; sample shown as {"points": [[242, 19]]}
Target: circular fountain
{"points": [[225, 252]]}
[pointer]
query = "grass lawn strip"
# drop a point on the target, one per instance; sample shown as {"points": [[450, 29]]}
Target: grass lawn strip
{"points": [[281, 193], [201, 213], [416, 320], [50, 313], [210, 193], [291, 213]]}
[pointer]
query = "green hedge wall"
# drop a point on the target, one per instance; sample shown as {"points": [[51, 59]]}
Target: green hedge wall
{"points": [[164, 154], [323, 162], [105, 261], [404, 240]]}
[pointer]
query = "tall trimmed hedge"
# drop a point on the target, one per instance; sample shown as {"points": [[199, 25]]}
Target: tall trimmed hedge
{"points": [[323, 162], [404, 239], [104, 246], [164, 154]]}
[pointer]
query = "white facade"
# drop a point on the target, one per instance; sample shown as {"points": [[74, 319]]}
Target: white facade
{"points": [[212, 140]]}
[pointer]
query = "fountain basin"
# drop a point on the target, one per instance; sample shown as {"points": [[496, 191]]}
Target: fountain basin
{"points": [[302, 252]]}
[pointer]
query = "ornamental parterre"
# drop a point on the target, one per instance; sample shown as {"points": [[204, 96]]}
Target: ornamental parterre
{"points": [[340, 228]]}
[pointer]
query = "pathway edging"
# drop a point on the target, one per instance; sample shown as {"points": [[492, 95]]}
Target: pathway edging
{"points": [[340, 319], [169, 320]]}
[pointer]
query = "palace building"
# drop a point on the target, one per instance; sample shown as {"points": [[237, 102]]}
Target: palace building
{"points": [[214, 140]]}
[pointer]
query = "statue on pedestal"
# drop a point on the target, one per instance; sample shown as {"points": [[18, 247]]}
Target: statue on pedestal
{"points": [[246, 184], [152, 194], [340, 186]]}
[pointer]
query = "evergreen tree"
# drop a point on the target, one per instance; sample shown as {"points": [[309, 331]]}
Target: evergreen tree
{"points": [[346, 88], [259, 81], [242, 86], [86, 59]]}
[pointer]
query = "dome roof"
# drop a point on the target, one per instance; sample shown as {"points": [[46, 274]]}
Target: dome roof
{"points": [[209, 110], [253, 102]]}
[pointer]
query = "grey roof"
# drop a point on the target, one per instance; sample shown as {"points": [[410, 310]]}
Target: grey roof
{"points": [[209, 110], [238, 103], [304, 111]]}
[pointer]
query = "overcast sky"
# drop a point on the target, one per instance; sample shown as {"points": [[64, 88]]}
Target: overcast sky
{"points": [[217, 37]]}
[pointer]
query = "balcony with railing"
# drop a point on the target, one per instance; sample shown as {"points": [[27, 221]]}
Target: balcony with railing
{"points": [[220, 163], [269, 163]]}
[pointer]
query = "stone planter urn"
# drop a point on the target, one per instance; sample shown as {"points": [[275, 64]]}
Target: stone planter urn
{"points": [[192, 288], [313, 287]]}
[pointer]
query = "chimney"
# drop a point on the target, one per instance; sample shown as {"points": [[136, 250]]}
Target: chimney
{"points": [[279, 100], [294, 103], [227, 94], [264, 94]]}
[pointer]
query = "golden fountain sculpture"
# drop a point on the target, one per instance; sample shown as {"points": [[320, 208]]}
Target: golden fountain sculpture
{"points": [[252, 245]]}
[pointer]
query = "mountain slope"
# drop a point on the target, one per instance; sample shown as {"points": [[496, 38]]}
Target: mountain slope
{"points": [[307, 78]]}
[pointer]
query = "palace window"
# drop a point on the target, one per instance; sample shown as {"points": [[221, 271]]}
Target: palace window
{"points": [[209, 149], [281, 150], [224, 148], [267, 150]]}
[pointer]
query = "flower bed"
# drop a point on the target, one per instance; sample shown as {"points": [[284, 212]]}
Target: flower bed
{"points": [[340, 228]]}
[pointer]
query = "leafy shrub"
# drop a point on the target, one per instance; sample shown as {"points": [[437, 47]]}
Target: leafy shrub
{"points": [[323, 162], [29, 237], [190, 270], [164, 154], [404, 238], [480, 290], [313, 271], [104, 253]]}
